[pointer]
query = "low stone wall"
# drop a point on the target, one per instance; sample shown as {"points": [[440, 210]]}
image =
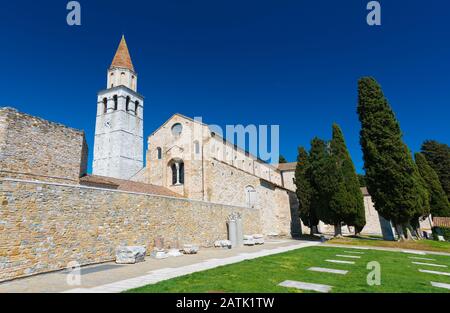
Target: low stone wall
{"points": [[44, 226]]}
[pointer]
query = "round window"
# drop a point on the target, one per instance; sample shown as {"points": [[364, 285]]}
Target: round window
{"points": [[177, 129]]}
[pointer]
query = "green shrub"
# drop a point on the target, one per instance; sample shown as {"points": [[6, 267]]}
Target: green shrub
{"points": [[441, 231]]}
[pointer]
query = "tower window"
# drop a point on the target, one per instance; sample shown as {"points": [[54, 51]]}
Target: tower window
{"points": [[115, 103], [105, 105], [128, 103], [136, 106]]}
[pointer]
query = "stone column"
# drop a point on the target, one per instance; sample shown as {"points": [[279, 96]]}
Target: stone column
{"points": [[232, 233], [239, 232], [177, 166]]}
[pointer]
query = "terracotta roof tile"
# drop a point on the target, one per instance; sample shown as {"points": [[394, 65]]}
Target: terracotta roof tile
{"points": [[441, 222], [122, 58], [126, 185], [287, 166]]}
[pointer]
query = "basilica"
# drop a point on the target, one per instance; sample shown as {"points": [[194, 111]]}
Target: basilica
{"points": [[184, 155]]}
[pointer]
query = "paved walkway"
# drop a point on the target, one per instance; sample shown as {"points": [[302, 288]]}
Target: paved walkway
{"points": [[110, 277]]}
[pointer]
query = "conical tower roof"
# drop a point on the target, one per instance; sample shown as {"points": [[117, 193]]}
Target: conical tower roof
{"points": [[122, 58]]}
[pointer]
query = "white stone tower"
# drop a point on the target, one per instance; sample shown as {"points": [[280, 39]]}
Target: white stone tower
{"points": [[119, 129]]}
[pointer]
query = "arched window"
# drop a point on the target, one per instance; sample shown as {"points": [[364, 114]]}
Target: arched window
{"points": [[128, 103], [177, 129], [197, 147], [136, 106], [177, 168], [250, 196], [105, 105], [159, 152], [116, 104]]}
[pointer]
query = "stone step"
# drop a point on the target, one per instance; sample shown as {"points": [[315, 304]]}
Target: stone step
{"points": [[327, 270], [434, 272], [440, 285], [348, 256], [340, 261], [306, 286], [429, 264], [419, 258]]}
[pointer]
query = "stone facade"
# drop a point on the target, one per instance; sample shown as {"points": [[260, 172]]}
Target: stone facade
{"points": [[44, 226], [53, 213], [217, 171], [33, 148]]}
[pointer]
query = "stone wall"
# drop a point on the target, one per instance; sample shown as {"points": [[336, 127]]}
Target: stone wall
{"points": [[227, 184], [33, 148], [44, 226], [373, 224]]}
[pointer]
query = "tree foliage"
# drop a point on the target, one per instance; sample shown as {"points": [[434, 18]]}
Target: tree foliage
{"points": [[392, 177], [438, 157], [304, 190], [362, 180], [348, 200], [439, 203], [282, 159]]}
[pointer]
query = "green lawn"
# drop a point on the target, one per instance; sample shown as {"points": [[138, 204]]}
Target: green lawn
{"points": [[426, 245], [261, 275]]}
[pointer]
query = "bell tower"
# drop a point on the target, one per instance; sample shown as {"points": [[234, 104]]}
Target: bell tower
{"points": [[119, 128]]}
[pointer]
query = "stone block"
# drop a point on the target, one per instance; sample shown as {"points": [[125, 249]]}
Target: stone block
{"points": [[130, 254], [223, 244], [190, 249], [159, 254], [259, 239], [249, 241], [174, 253]]}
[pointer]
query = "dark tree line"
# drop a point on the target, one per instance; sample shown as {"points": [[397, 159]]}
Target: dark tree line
{"points": [[328, 186], [404, 190]]}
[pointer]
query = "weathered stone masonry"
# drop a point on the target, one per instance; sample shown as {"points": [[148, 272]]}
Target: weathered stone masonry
{"points": [[33, 148], [44, 226]]}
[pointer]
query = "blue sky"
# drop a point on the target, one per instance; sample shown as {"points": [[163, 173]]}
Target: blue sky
{"points": [[292, 63]]}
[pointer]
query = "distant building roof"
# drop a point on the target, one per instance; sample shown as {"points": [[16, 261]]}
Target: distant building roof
{"points": [[287, 166], [365, 192], [126, 185], [441, 222]]}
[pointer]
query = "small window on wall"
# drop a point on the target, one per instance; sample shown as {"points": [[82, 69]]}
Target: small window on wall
{"points": [[128, 103], [105, 105], [159, 152], [250, 196], [136, 107], [116, 103], [197, 147]]}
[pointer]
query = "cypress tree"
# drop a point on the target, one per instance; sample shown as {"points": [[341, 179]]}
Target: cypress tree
{"points": [[348, 202], [439, 203], [438, 157], [362, 180], [305, 191], [282, 159], [326, 181], [391, 174]]}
